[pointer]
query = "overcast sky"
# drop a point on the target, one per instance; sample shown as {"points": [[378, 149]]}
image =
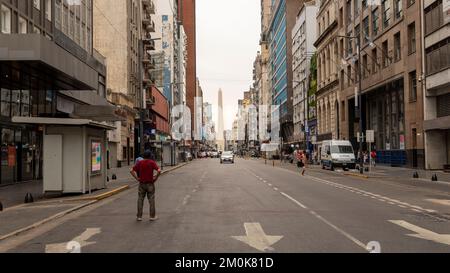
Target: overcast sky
{"points": [[228, 35]]}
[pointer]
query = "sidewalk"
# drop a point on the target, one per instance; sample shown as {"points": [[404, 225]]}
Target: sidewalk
{"points": [[18, 218], [380, 171]]}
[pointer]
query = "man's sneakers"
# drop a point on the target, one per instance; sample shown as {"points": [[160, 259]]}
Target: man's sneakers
{"points": [[151, 219]]}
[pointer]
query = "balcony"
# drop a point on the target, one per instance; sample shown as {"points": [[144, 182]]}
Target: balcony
{"points": [[149, 63], [148, 79], [149, 6], [149, 44], [148, 23]]}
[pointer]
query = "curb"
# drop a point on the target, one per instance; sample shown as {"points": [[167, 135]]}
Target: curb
{"points": [[51, 218], [92, 200], [357, 175]]}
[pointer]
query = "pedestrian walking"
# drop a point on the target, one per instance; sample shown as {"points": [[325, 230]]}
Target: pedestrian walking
{"points": [[146, 169], [301, 161], [373, 155]]}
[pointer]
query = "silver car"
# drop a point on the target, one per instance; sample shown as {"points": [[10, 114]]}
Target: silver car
{"points": [[227, 157]]}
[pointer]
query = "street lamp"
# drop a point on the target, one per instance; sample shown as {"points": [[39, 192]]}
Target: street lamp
{"points": [[358, 100]]}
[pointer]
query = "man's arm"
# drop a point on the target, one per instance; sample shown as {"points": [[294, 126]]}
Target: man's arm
{"points": [[134, 173], [158, 171]]}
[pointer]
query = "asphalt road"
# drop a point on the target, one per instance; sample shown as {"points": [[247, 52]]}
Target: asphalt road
{"points": [[251, 207]]}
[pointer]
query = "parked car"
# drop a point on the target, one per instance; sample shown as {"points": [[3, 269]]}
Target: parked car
{"points": [[227, 157], [214, 154]]}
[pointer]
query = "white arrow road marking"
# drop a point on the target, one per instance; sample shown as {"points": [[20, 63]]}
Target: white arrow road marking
{"points": [[81, 240], [439, 201], [257, 238], [422, 233]]}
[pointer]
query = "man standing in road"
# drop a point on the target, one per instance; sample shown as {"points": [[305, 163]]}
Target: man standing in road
{"points": [[146, 168]]}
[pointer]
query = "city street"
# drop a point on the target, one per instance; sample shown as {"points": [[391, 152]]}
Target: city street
{"points": [[251, 207]]}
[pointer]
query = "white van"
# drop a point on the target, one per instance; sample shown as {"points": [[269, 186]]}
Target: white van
{"points": [[337, 153]]}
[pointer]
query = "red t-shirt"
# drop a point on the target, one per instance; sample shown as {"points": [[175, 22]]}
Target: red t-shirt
{"points": [[145, 169]]}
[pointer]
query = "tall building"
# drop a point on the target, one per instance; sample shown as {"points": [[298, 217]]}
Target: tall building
{"points": [[48, 69], [220, 125], [265, 81], [436, 70], [303, 38], [328, 81], [284, 13], [187, 17], [119, 30], [390, 66]]}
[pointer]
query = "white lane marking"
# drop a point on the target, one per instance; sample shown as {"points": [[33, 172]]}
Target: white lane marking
{"points": [[75, 245], [439, 201], [293, 200], [422, 233], [257, 238], [369, 194], [270, 185], [275, 189], [350, 237]]}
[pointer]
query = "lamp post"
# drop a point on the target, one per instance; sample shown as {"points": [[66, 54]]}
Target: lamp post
{"points": [[358, 100]]}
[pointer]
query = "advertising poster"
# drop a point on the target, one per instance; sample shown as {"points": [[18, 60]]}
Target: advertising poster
{"points": [[96, 156], [402, 142], [11, 156]]}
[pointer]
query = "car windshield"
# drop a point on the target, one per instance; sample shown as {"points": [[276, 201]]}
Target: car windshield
{"points": [[342, 149], [227, 153]]}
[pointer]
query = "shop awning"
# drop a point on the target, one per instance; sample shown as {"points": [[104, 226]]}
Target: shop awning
{"points": [[61, 121]]}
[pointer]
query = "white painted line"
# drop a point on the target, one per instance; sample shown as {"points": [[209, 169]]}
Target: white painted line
{"points": [[439, 201], [275, 189], [350, 237], [257, 238], [293, 200]]}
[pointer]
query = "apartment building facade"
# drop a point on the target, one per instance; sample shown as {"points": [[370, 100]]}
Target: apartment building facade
{"points": [[122, 35], [282, 22], [437, 83], [39, 39], [303, 38], [265, 94], [328, 94], [390, 69]]}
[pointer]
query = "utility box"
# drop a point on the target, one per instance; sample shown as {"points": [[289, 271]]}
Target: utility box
{"points": [[75, 154]]}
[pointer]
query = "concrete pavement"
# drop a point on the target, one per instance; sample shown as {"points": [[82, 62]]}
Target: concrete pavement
{"points": [[249, 207]]}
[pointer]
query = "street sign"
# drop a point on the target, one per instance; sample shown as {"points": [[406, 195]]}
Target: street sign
{"points": [[370, 136]]}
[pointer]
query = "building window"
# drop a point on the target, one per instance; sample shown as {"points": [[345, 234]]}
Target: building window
{"points": [[37, 4], [48, 9], [438, 57], [5, 20], [386, 6], [374, 60], [385, 53], [22, 27], [412, 38], [375, 18], [398, 9], [434, 17], [412, 86], [443, 105], [397, 47], [5, 102], [366, 33]]}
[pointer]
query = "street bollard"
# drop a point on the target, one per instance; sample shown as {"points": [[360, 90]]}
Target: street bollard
{"points": [[1, 206], [434, 178], [416, 175], [29, 198], [114, 177]]}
